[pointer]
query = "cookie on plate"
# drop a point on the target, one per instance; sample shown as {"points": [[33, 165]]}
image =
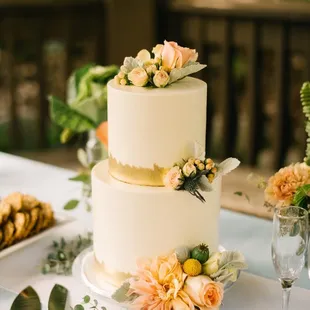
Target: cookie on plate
{"points": [[47, 210], [15, 200], [29, 202], [8, 234], [19, 221], [34, 215], [5, 211]]}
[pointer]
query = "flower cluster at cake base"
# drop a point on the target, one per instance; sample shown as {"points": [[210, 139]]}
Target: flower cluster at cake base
{"points": [[168, 63], [186, 279]]}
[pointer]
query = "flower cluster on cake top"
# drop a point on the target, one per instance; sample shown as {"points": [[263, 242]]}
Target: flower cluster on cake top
{"points": [[188, 278], [168, 63]]}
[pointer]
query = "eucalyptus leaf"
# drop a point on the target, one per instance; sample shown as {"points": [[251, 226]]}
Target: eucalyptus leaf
{"points": [[28, 299], [301, 197], [72, 204], [58, 298], [229, 256], [65, 117], [204, 184], [131, 63], [179, 73], [83, 177], [78, 307], [120, 295], [86, 299], [228, 165]]}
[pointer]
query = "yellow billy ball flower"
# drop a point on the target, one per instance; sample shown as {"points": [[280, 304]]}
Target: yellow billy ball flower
{"points": [[209, 161], [201, 166], [214, 170], [192, 267], [123, 82]]}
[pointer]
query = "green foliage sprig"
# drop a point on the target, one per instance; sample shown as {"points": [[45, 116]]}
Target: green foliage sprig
{"points": [[63, 254], [305, 101], [92, 304]]}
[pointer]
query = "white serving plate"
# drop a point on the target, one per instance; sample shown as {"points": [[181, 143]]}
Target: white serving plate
{"points": [[61, 220]]}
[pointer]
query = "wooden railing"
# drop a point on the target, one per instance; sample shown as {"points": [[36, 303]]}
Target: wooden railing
{"points": [[258, 55]]}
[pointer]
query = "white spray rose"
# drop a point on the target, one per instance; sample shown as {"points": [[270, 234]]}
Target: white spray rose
{"points": [[212, 264], [138, 77], [161, 78], [189, 169]]}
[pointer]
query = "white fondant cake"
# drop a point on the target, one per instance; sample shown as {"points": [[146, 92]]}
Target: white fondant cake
{"points": [[149, 130], [132, 221]]}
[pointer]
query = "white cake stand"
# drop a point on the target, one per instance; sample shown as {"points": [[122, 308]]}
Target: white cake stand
{"points": [[84, 270]]}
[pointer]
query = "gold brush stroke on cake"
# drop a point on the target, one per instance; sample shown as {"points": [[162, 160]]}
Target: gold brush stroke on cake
{"points": [[137, 175], [113, 277]]}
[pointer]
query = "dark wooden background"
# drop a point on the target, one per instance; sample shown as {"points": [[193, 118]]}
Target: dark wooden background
{"points": [[257, 55]]}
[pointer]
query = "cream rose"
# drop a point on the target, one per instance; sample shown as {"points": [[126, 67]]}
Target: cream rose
{"points": [[161, 78], [204, 292], [189, 169], [175, 56], [157, 50], [138, 77], [174, 178], [212, 264]]}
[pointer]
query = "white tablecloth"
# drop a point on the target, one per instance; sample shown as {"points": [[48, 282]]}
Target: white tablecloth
{"points": [[22, 268]]}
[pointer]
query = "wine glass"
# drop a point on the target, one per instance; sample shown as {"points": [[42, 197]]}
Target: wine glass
{"points": [[289, 246]]}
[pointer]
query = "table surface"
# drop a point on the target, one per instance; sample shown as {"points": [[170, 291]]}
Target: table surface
{"points": [[249, 234]]}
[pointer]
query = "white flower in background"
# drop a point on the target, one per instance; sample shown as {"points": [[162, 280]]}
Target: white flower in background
{"points": [[189, 170], [151, 69], [138, 77], [174, 178], [161, 78]]}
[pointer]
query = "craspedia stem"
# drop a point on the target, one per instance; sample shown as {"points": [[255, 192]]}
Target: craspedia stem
{"points": [[305, 101]]}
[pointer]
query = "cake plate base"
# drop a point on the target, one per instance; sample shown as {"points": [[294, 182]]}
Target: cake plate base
{"points": [[85, 271]]}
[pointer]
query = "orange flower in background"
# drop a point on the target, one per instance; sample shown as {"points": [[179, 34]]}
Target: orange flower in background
{"points": [[102, 133], [282, 186], [159, 284]]}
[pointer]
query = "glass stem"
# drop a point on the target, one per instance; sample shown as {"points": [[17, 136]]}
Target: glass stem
{"points": [[286, 292]]}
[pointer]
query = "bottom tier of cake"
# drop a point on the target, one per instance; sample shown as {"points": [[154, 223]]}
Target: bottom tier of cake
{"points": [[135, 221]]}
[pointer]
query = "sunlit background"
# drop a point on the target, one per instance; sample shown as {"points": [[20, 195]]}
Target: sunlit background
{"points": [[257, 52]]}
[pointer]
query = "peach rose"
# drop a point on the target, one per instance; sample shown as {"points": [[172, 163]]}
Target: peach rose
{"points": [[205, 293], [161, 78], [174, 178], [282, 186], [175, 56], [138, 77]]}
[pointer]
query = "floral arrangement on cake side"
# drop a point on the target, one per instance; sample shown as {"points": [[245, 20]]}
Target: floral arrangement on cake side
{"points": [[168, 63], [198, 173], [185, 279], [291, 184]]}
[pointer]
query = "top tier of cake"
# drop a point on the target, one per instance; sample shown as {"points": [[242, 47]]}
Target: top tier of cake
{"points": [[150, 129]]}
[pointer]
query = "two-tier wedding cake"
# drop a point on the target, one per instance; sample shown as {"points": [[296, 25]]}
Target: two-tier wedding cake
{"points": [[156, 194]]}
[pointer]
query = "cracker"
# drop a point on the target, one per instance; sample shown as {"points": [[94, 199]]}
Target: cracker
{"points": [[48, 214], [8, 232], [29, 202], [19, 223], [39, 225], [34, 215], [5, 211], [27, 222], [15, 200]]}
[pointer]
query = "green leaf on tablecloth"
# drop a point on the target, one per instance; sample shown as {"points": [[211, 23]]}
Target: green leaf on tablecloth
{"points": [[28, 299], [301, 197], [241, 194], [86, 299], [58, 298], [78, 307], [66, 117], [83, 177], [72, 204]]}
